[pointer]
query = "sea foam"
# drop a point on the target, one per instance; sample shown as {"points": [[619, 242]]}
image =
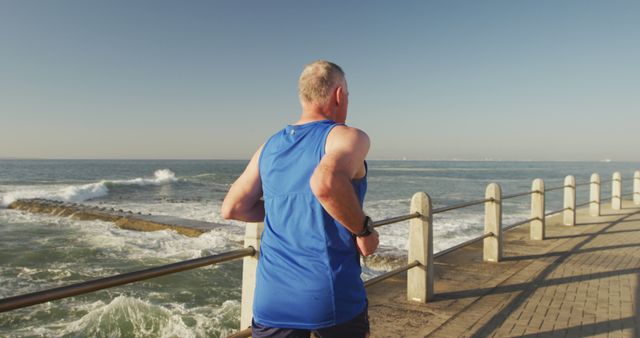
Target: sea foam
{"points": [[81, 193]]}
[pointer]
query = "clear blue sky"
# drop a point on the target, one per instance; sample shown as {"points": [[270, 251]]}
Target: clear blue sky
{"points": [[540, 80]]}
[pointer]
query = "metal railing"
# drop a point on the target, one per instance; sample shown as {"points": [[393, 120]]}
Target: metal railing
{"points": [[463, 244], [34, 298], [554, 212], [554, 188], [526, 193], [441, 253], [395, 219], [476, 239], [389, 274], [20, 301], [415, 263], [517, 224], [462, 205]]}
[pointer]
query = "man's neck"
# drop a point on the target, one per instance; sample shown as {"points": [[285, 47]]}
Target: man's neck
{"points": [[314, 114]]}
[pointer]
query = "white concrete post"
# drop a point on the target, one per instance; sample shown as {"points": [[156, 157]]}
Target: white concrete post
{"points": [[252, 236], [636, 187], [569, 213], [492, 251], [594, 195], [537, 225], [420, 278], [616, 191]]}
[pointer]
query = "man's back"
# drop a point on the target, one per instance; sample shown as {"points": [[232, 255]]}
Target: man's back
{"points": [[309, 270], [312, 176]]}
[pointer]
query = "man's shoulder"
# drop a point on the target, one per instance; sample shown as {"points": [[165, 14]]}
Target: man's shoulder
{"points": [[343, 136], [345, 132]]}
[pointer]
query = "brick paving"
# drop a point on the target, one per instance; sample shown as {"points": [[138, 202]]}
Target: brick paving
{"points": [[583, 281]]}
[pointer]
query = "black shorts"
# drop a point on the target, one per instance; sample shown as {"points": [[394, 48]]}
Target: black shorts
{"points": [[357, 327]]}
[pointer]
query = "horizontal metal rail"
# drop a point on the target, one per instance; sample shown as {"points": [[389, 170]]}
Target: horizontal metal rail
{"points": [[395, 219], [555, 188], [386, 275], [554, 212], [519, 194], [629, 194], [606, 181], [462, 205], [584, 204], [44, 296], [581, 184], [463, 244], [511, 226]]}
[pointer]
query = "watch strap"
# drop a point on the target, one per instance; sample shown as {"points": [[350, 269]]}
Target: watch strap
{"points": [[367, 229]]}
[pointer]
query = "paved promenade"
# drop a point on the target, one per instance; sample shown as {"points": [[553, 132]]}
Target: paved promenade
{"points": [[583, 281]]}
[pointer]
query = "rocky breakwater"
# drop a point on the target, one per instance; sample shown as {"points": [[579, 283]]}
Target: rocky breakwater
{"points": [[123, 219]]}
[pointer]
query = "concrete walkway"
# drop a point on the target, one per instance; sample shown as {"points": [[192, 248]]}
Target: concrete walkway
{"points": [[583, 281]]}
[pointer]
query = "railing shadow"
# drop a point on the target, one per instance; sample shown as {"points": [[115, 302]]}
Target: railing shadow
{"points": [[613, 213], [499, 318], [587, 234], [603, 222], [569, 252], [529, 285], [588, 329]]}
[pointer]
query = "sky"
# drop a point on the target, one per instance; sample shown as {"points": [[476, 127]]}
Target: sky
{"points": [[428, 80]]}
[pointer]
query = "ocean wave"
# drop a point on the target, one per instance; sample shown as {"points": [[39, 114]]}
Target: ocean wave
{"points": [[165, 244], [117, 243], [126, 316], [162, 176], [84, 192], [130, 317]]}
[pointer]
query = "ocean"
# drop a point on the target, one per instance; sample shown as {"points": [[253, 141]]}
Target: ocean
{"points": [[43, 251]]}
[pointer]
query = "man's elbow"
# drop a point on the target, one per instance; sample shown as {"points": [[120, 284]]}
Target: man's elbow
{"points": [[321, 186], [227, 211]]}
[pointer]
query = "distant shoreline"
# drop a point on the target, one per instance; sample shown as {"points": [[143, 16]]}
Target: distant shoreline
{"points": [[370, 160]]}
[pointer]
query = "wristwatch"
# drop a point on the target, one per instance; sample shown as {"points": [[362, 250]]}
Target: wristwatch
{"points": [[368, 227]]}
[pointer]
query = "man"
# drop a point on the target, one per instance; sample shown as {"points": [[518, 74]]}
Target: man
{"points": [[312, 177]]}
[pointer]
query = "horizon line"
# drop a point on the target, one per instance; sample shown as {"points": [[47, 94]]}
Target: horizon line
{"points": [[247, 159]]}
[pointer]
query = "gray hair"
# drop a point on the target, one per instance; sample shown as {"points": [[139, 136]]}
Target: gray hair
{"points": [[318, 80]]}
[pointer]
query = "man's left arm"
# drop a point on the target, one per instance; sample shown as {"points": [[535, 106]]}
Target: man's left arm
{"points": [[243, 201]]}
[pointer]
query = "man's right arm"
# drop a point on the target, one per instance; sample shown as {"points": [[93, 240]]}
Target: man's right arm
{"points": [[345, 152], [243, 201]]}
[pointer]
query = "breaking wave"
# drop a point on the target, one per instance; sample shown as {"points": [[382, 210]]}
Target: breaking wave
{"points": [[80, 193]]}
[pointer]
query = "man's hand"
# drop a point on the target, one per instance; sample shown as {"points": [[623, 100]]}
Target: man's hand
{"points": [[368, 245]]}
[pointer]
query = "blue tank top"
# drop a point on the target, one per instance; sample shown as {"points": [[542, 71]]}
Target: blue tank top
{"points": [[308, 274]]}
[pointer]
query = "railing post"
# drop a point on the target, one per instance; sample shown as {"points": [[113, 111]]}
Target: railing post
{"points": [[636, 187], [420, 278], [616, 191], [569, 213], [492, 251], [594, 195], [252, 236], [537, 225]]}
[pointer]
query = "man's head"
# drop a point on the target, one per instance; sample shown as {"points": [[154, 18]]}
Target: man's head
{"points": [[322, 84]]}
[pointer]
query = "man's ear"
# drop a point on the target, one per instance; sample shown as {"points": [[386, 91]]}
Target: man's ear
{"points": [[339, 95]]}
